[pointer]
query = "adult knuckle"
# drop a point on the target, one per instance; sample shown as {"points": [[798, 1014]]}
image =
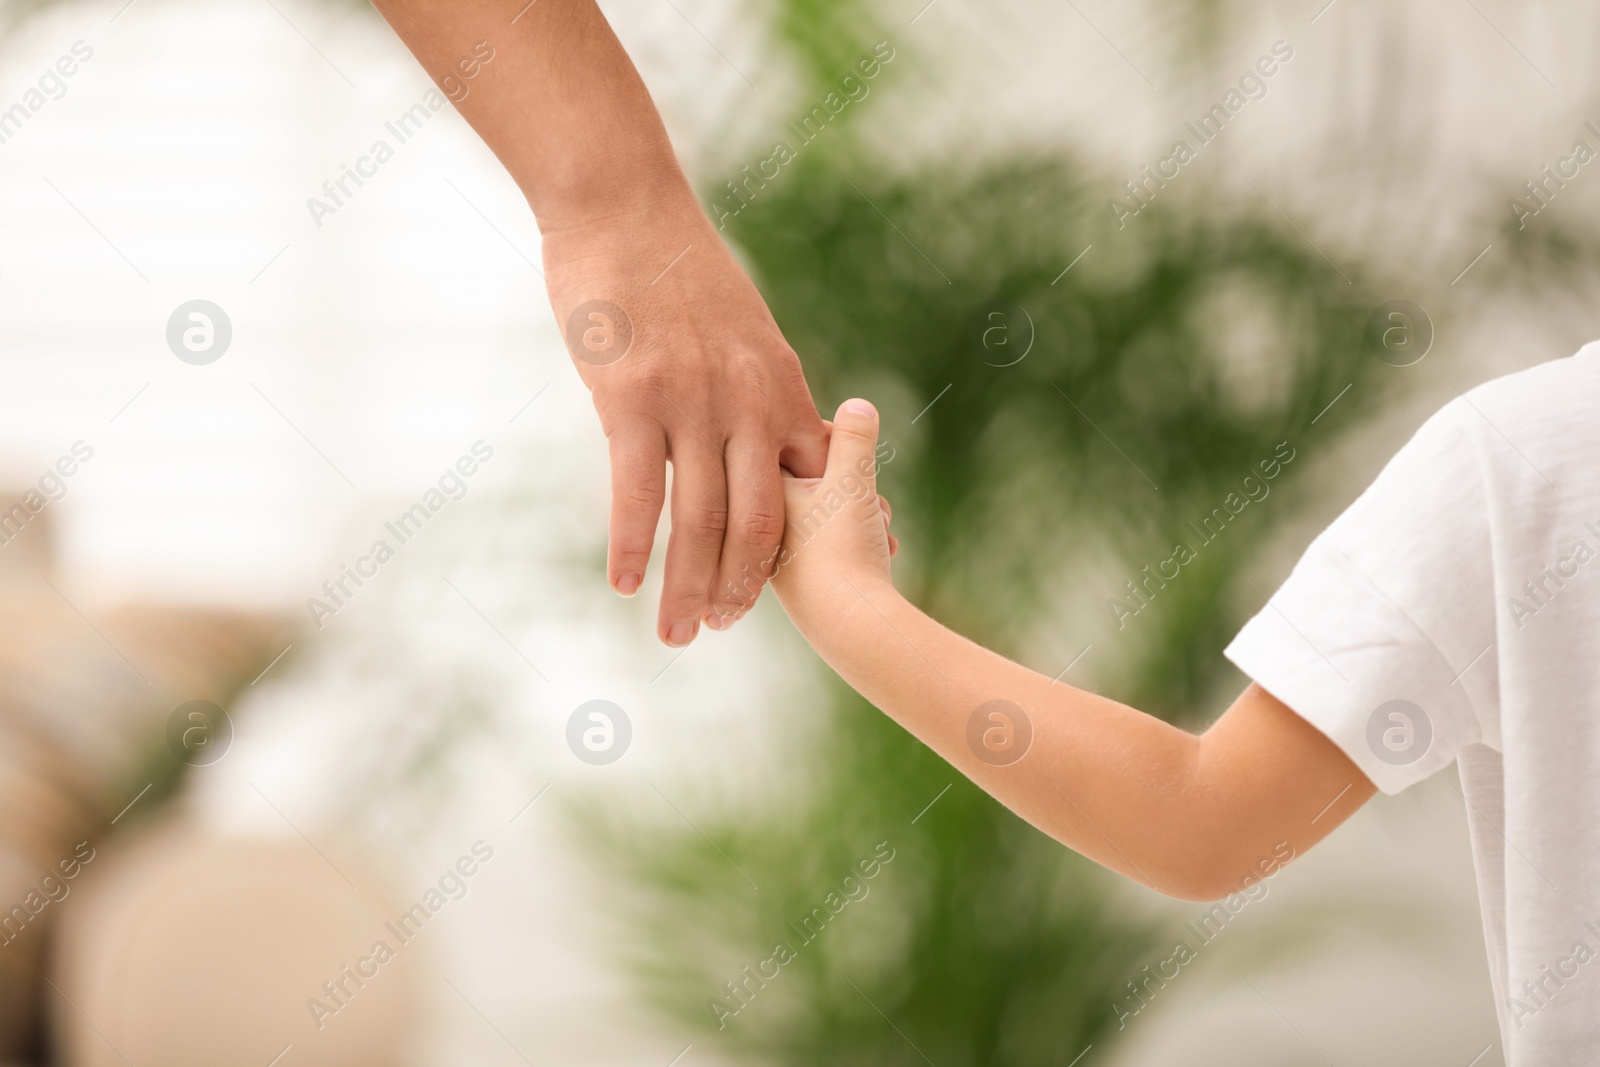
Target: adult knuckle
{"points": [[652, 381], [754, 378], [707, 525], [644, 383], [641, 496], [762, 527]]}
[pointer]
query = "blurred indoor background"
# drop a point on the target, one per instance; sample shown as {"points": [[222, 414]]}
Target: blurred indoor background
{"points": [[1065, 384]]}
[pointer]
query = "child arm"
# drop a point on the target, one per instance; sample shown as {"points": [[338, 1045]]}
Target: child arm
{"points": [[1189, 816]]}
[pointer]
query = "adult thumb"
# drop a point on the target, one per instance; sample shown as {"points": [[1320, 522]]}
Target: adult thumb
{"points": [[852, 448]]}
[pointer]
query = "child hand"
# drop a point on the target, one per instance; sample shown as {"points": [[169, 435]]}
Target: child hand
{"points": [[836, 532]]}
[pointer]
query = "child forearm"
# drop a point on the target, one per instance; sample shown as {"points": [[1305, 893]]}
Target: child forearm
{"points": [[1190, 817], [1118, 786]]}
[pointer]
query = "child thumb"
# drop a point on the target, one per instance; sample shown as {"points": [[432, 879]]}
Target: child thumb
{"points": [[852, 448]]}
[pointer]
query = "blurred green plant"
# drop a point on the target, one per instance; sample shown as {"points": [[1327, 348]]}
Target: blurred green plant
{"points": [[1049, 426]]}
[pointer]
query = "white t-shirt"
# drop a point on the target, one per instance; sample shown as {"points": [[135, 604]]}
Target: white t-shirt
{"points": [[1453, 613]]}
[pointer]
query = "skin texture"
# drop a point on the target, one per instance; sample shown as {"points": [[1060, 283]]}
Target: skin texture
{"points": [[1191, 817], [708, 384]]}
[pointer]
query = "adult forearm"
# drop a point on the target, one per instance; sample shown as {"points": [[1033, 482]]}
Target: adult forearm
{"points": [[560, 103]]}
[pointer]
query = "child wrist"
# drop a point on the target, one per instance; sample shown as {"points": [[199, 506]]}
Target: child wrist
{"points": [[847, 608]]}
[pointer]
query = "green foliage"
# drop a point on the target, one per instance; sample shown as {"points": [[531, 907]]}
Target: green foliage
{"points": [[1129, 416], [827, 37], [980, 941]]}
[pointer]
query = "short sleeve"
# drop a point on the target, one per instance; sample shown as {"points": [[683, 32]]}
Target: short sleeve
{"points": [[1381, 637]]}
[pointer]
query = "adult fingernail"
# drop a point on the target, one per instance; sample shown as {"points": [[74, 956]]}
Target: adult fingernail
{"points": [[628, 584], [682, 633], [858, 407]]}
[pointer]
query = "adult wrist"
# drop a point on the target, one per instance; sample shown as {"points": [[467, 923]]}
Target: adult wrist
{"points": [[648, 187]]}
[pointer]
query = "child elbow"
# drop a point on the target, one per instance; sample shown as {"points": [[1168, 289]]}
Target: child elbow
{"points": [[1197, 887], [1225, 875]]}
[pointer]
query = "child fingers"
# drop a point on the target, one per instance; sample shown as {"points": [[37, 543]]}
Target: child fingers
{"points": [[853, 445]]}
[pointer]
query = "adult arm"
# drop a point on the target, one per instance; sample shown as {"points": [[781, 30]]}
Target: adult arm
{"points": [[707, 382]]}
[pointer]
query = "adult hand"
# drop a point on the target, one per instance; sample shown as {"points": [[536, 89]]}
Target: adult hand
{"points": [[686, 366], [684, 361]]}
